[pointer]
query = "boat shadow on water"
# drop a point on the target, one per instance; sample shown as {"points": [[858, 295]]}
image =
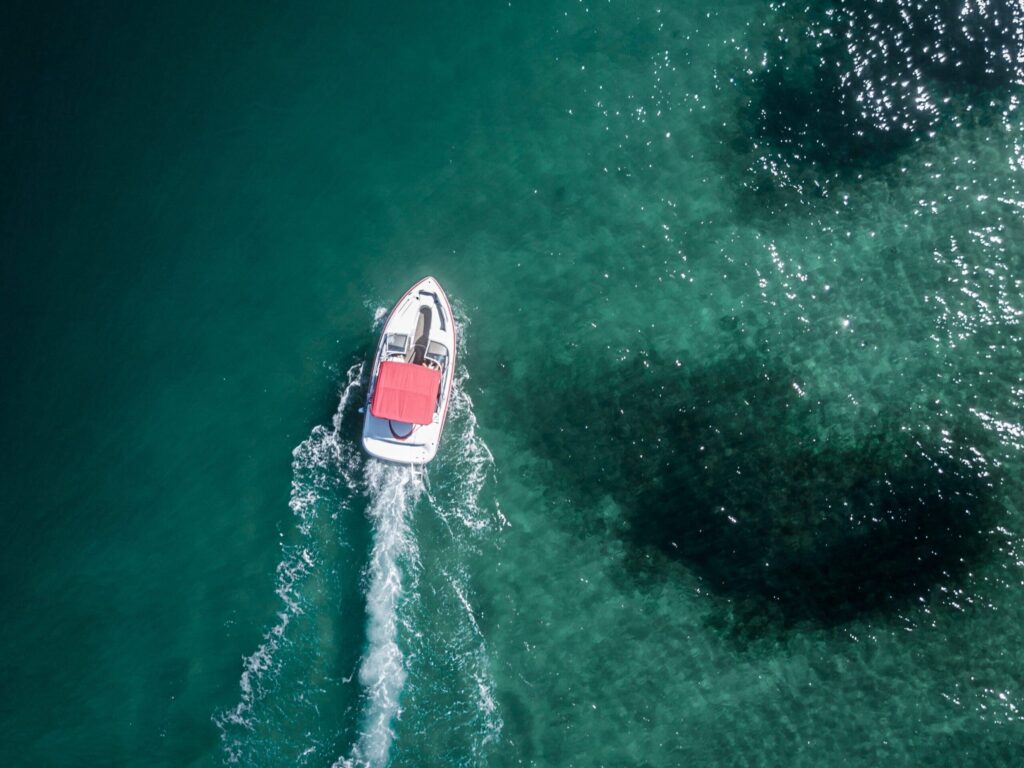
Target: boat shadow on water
{"points": [[794, 512]]}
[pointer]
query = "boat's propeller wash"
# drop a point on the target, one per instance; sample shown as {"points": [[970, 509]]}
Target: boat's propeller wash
{"points": [[295, 708]]}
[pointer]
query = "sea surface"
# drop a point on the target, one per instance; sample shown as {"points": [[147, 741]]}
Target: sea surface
{"points": [[734, 471]]}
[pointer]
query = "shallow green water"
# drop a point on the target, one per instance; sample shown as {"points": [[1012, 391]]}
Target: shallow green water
{"points": [[734, 472]]}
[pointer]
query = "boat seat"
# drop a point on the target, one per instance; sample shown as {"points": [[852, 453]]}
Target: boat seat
{"points": [[397, 344], [437, 352]]}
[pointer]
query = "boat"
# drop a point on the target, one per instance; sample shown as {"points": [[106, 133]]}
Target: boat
{"points": [[412, 377]]}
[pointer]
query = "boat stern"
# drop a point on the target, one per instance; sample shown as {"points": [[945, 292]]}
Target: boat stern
{"points": [[396, 451]]}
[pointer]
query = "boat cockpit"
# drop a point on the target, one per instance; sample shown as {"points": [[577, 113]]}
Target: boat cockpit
{"points": [[398, 349]]}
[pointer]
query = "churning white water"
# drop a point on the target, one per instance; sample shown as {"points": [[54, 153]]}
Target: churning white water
{"points": [[280, 710], [394, 491]]}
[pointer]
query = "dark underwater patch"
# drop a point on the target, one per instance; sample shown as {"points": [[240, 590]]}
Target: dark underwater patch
{"points": [[791, 509], [849, 84]]}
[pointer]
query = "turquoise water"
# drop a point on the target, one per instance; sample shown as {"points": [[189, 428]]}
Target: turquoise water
{"points": [[734, 469]]}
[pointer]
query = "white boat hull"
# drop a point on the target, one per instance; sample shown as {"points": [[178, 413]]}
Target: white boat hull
{"points": [[423, 319]]}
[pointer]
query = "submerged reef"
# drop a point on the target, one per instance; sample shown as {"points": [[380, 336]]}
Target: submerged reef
{"points": [[850, 82], [794, 511]]}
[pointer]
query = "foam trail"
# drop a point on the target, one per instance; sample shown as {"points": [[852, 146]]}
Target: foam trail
{"points": [[314, 462], [447, 656], [394, 492], [470, 522], [392, 599]]}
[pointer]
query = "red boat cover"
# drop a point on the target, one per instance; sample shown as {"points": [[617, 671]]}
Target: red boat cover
{"points": [[406, 392]]}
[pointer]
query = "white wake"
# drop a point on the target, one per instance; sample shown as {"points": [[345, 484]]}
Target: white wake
{"points": [[394, 606], [280, 713], [394, 492]]}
